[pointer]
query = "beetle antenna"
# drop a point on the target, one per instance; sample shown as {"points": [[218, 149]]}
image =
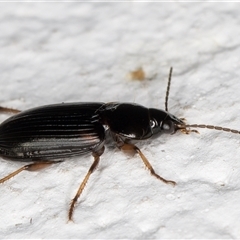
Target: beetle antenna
{"points": [[168, 88], [183, 127]]}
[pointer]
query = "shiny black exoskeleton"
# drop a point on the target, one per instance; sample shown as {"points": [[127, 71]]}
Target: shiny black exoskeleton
{"points": [[70, 129], [46, 135]]}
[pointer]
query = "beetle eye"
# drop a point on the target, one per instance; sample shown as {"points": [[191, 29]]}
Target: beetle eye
{"points": [[152, 124], [166, 126]]}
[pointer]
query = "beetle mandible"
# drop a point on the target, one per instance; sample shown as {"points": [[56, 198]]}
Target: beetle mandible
{"points": [[49, 134]]}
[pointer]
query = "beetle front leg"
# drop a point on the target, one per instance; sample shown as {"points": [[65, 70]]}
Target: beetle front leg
{"points": [[130, 147], [96, 156]]}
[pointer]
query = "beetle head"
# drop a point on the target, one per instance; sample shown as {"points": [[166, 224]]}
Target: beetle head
{"points": [[164, 122]]}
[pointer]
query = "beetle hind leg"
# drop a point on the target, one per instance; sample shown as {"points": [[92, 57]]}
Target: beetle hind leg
{"points": [[8, 110], [126, 147], [30, 167]]}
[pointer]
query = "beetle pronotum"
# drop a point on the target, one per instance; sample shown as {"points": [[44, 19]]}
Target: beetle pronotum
{"points": [[50, 134]]}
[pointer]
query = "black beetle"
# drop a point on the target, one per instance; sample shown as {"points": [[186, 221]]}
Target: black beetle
{"points": [[49, 134]]}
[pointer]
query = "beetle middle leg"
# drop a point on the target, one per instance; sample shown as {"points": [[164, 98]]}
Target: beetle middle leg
{"points": [[131, 147], [29, 167], [96, 156]]}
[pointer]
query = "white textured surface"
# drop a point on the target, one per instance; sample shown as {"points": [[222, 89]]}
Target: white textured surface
{"points": [[64, 52]]}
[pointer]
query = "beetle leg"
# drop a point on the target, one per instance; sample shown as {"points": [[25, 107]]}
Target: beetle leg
{"points": [[96, 156], [30, 167], [130, 147], [9, 110]]}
